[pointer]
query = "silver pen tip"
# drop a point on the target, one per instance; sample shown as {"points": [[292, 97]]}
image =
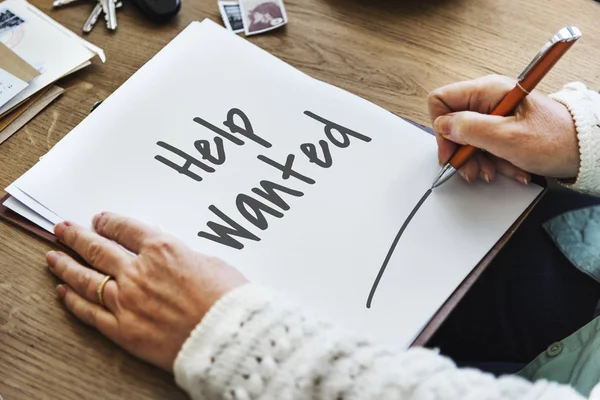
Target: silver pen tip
{"points": [[446, 172]]}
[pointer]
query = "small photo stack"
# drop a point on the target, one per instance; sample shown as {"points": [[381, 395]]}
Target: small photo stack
{"points": [[253, 16]]}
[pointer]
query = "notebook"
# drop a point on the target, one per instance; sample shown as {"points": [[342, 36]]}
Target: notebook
{"points": [[300, 185]]}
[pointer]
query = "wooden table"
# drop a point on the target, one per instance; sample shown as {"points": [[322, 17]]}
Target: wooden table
{"points": [[389, 52]]}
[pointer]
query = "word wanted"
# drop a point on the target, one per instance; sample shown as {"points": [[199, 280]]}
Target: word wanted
{"points": [[268, 198]]}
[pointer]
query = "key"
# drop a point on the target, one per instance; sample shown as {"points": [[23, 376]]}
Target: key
{"points": [[91, 21], [104, 4], [111, 15], [93, 18]]}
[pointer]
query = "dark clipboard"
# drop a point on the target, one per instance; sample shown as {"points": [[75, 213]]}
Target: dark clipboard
{"points": [[436, 321], [444, 311]]}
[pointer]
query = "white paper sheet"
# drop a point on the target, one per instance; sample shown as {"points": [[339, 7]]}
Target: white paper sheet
{"points": [[53, 46], [35, 207], [326, 249]]}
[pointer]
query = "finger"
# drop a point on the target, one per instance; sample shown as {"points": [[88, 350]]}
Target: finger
{"points": [[480, 95], [493, 133], [445, 148], [90, 313], [83, 280], [128, 232], [470, 171], [99, 252], [510, 171], [487, 169]]}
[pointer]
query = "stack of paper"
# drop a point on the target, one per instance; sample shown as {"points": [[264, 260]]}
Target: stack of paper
{"points": [[35, 51], [299, 184]]}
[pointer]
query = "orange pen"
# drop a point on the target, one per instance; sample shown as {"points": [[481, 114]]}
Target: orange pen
{"points": [[542, 63]]}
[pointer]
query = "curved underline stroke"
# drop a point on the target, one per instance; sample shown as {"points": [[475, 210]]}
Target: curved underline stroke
{"points": [[391, 251]]}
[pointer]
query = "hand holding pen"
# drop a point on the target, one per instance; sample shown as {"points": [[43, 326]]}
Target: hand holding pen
{"points": [[538, 137]]}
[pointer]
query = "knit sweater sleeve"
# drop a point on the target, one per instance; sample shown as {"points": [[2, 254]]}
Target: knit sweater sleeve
{"points": [[584, 106], [253, 345]]}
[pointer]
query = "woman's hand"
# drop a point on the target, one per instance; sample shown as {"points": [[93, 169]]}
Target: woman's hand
{"points": [[540, 138], [158, 294]]}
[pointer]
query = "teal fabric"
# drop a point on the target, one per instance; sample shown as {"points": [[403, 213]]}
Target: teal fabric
{"points": [[575, 360], [577, 234]]}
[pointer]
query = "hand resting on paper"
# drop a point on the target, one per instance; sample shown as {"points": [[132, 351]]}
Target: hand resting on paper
{"points": [[540, 138], [160, 291]]}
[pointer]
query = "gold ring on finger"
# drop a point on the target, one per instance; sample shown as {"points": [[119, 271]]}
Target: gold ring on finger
{"points": [[101, 289]]}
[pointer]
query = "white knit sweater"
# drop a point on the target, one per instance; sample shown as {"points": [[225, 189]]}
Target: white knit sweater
{"points": [[253, 345]]}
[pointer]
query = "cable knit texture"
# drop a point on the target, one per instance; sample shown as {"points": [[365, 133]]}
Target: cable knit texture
{"points": [[584, 106], [253, 345]]}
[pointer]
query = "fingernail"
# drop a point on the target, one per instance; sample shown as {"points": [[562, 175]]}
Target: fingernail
{"points": [[95, 220], [486, 177], [443, 125], [51, 258], [523, 179], [60, 228], [465, 176], [61, 291]]}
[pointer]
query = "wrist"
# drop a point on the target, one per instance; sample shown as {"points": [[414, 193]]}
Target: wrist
{"points": [[214, 337], [584, 108]]}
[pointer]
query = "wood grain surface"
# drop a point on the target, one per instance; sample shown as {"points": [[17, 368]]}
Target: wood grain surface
{"points": [[390, 52]]}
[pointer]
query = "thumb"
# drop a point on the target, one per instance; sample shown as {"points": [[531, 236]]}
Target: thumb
{"points": [[483, 131]]}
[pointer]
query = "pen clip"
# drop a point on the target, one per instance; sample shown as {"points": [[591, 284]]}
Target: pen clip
{"points": [[566, 34]]}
